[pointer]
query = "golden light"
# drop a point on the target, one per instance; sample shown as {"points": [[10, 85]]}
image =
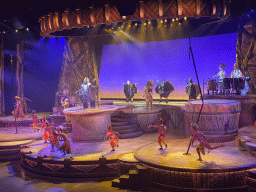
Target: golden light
{"points": [[177, 19], [179, 23], [27, 29], [185, 18], [145, 23], [161, 21], [173, 19], [165, 20], [136, 24], [4, 32], [129, 25], [16, 31], [149, 22]]}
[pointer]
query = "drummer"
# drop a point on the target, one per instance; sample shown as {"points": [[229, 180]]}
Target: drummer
{"points": [[221, 75], [236, 73]]}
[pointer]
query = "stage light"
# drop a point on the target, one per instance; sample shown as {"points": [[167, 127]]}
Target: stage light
{"points": [[179, 23], [4, 32], [165, 20], [124, 17], [161, 21], [129, 26], [27, 29], [177, 19], [185, 18], [149, 22], [173, 19], [145, 23], [16, 31], [151, 27], [136, 24]]}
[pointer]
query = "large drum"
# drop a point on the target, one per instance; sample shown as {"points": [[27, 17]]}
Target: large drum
{"points": [[212, 85], [238, 83], [218, 121], [226, 83]]}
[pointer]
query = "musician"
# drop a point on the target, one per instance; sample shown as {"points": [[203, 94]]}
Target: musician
{"points": [[221, 75], [236, 73], [94, 90], [191, 90], [65, 104]]}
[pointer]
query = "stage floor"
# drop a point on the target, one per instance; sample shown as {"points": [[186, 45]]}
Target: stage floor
{"points": [[145, 149]]}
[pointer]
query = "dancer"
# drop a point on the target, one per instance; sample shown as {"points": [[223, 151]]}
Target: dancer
{"points": [[164, 89], [35, 120], [65, 104], [43, 126], [130, 90], [54, 141], [161, 137], [191, 90], [47, 131], [148, 93], [94, 91], [65, 147], [221, 75], [18, 109], [114, 138], [236, 73], [202, 141]]}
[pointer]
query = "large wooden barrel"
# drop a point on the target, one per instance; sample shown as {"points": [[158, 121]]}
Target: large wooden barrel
{"points": [[218, 121]]}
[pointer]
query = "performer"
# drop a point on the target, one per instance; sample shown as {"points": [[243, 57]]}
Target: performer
{"points": [[47, 131], [64, 92], [65, 147], [202, 141], [18, 109], [114, 138], [35, 120], [130, 90], [85, 93], [94, 90], [164, 89], [65, 104], [236, 73], [191, 90], [148, 93], [161, 137], [43, 126], [53, 139], [221, 75]]}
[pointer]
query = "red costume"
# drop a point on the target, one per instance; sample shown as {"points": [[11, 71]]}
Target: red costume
{"points": [[161, 137], [114, 139], [35, 121], [65, 147]]}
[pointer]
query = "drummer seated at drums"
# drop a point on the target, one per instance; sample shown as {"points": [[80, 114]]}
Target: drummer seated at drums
{"points": [[236, 85], [221, 75]]}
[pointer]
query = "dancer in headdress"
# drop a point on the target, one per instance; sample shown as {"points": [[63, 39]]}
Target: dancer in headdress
{"points": [[114, 139], [221, 75], [65, 104], [148, 93], [202, 141], [164, 89], [65, 147], [47, 131], [18, 109], [35, 120], [54, 140], [161, 137]]}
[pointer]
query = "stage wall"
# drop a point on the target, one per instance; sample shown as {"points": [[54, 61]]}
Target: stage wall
{"points": [[167, 60]]}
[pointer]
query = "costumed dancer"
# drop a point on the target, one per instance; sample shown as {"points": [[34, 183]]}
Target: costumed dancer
{"points": [[94, 91], [191, 90], [65, 104], [47, 131], [65, 147], [35, 120], [43, 125], [18, 108], [221, 75], [202, 141], [236, 73], [161, 137], [130, 90], [164, 89], [148, 93], [54, 140], [85, 94], [114, 138]]}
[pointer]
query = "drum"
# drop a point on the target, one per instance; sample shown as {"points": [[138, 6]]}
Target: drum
{"points": [[238, 83], [212, 85], [226, 83]]}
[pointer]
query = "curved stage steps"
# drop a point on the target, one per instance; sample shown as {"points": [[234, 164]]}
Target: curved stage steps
{"points": [[126, 125]]}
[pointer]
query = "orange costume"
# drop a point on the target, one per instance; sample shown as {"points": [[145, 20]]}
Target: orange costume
{"points": [[47, 130], [65, 147], [161, 128], [53, 139], [114, 138], [35, 121]]}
